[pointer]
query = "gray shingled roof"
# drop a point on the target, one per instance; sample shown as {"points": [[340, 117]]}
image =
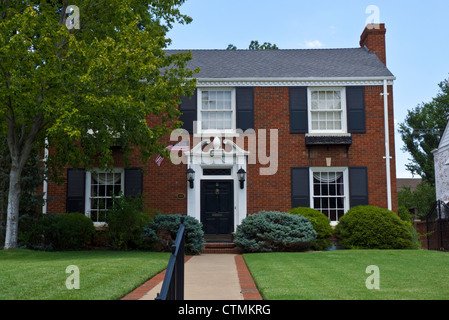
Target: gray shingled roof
{"points": [[295, 63]]}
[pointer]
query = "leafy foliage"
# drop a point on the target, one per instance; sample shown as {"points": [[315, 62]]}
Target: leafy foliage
{"points": [[274, 231], [125, 223], [321, 225], [164, 228], [255, 45], [370, 227], [84, 90], [421, 132], [63, 231], [422, 198]]}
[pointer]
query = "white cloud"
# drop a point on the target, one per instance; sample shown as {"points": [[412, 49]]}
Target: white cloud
{"points": [[313, 44]]}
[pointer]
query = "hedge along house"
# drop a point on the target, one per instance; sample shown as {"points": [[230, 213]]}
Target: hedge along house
{"points": [[324, 116]]}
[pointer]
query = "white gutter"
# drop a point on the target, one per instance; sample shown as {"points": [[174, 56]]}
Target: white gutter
{"points": [[387, 143]]}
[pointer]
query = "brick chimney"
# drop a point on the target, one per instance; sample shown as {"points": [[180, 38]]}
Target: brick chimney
{"points": [[373, 37]]}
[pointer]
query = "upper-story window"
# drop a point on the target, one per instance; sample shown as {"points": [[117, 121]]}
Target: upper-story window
{"points": [[327, 110], [216, 110]]}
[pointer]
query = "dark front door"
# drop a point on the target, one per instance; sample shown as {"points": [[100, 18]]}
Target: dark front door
{"points": [[217, 206]]}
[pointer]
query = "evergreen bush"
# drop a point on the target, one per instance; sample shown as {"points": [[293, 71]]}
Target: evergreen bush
{"points": [[163, 230], [62, 231], [370, 227], [275, 231], [321, 225]]}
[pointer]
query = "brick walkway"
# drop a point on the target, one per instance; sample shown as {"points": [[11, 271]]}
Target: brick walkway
{"points": [[248, 287]]}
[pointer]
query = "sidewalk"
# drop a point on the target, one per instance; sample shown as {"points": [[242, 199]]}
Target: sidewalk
{"points": [[207, 277]]}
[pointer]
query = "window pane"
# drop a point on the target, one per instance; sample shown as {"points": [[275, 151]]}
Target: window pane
{"points": [[340, 214], [213, 120], [316, 203], [101, 190], [205, 120], [328, 193], [329, 100], [322, 125], [94, 215], [227, 120]]}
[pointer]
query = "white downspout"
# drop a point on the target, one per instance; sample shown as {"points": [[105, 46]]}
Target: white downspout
{"points": [[387, 144], [45, 186]]}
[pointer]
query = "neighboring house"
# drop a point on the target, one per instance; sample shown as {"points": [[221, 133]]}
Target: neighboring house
{"points": [[441, 164], [411, 183], [328, 113]]}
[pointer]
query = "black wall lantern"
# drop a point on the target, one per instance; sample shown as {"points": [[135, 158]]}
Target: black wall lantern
{"points": [[241, 174], [190, 176]]}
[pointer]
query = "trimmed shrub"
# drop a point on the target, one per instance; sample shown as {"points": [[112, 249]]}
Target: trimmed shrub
{"points": [[62, 231], [163, 230], [321, 225], [270, 231], [370, 227], [125, 223]]}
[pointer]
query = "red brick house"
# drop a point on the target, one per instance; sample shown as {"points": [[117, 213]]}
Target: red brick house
{"points": [[327, 115]]}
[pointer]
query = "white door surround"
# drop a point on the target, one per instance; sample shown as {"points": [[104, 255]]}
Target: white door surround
{"points": [[215, 157]]}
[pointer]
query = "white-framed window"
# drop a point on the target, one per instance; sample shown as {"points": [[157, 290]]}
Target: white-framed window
{"points": [[101, 186], [330, 191], [216, 110], [327, 110]]}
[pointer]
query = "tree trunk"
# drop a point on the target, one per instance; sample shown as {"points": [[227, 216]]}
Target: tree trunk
{"points": [[19, 149], [12, 220]]}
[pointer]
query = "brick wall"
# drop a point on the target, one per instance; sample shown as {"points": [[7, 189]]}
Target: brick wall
{"points": [[368, 149], [161, 185]]}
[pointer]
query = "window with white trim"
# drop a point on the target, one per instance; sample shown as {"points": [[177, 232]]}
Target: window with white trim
{"points": [[216, 110], [101, 187], [327, 110], [329, 192]]}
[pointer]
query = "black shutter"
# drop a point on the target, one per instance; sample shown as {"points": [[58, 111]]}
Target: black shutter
{"points": [[358, 186], [245, 108], [188, 107], [355, 102], [133, 182], [300, 187], [76, 189], [298, 110]]}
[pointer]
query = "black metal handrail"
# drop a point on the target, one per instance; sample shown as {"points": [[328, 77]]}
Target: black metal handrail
{"points": [[173, 285]]}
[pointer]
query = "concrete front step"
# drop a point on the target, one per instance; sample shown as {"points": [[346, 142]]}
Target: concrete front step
{"points": [[220, 247]]}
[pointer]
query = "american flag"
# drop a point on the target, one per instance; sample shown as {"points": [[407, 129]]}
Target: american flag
{"points": [[180, 146]]}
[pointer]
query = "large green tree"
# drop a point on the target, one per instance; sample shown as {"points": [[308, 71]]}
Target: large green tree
{"points": [[421, 132], [78, 80]]}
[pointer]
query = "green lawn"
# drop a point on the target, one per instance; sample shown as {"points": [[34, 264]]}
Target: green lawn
{"points": [[104, 275], [341, 275]]}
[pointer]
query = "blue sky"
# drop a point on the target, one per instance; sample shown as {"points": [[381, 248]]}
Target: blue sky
{"points": [[416, 41]]}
